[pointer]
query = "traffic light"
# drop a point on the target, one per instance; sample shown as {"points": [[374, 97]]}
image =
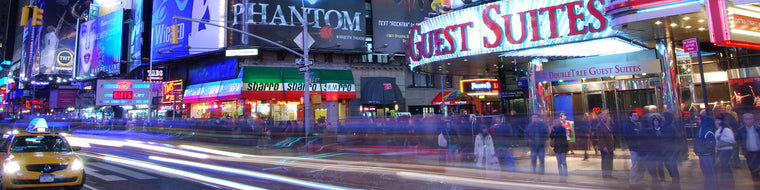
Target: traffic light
{"points": [[174, 34], [24, 16], [37, 17]]}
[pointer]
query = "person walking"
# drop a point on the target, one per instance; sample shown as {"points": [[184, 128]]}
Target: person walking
{"points": [[670, 147], [485, 154], [651, 140], [704, 147], [724, 138], [631, 132], [559, 143], [537, 134], [606, 145], [748, 139]]}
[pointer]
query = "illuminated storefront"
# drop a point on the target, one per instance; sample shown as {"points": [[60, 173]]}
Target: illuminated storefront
{"points": [[484, 93], [272, 94]]}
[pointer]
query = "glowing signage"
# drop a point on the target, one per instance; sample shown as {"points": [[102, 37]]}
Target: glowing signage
{"points": [[734, 26], [599, 70], [479, 86], [122, 92], [172, 92], [506, 26], [122, 95]]}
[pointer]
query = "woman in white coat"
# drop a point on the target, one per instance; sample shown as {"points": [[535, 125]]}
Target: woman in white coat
{"points": [[485, 155]]}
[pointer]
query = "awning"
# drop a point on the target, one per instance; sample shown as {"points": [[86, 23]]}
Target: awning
{"points": [[192, 93], [331, 84], [375, 91], [452, 98], [230, 89], [262, 83]]}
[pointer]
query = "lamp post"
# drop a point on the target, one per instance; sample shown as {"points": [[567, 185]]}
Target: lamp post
{"points": [[306, 75]]}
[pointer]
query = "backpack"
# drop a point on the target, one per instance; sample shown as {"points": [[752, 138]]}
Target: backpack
{"points": [[704, 143]]}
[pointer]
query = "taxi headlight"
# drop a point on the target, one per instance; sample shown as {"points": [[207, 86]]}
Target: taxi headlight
{"points": [[11, 167], [77, 165]]}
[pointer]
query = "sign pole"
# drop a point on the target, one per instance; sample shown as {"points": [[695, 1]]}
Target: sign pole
{"points": [[691, 46], [306, 75]]}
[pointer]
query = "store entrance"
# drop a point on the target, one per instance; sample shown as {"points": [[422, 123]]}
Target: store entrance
{"points": [[620, 103]]}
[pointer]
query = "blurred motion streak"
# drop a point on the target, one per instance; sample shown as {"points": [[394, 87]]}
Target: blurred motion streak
{"points": [[179, 172]]}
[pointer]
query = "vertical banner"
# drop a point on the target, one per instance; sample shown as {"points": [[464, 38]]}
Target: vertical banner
{"points": [[135, 36], [564, 110], [56, 39]]}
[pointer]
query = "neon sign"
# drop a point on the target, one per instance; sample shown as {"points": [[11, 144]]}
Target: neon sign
{"points": [[506, 26], [480, 86], [122, 95], [172, 92]]}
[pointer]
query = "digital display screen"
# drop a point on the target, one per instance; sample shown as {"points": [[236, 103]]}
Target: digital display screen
{"points": [[100, 45], [122, 95]]}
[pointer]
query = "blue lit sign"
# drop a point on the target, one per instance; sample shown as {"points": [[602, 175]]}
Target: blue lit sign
{"points": [[100, 45], [122, 92], [200, 37]]}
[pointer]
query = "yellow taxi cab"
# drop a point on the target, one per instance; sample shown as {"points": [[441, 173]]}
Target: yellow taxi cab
{"points": [[38, 158]]}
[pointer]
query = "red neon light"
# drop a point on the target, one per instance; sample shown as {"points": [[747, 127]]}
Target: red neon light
{"points": [[742, 44], [124, 85], [651, 3], [122, 95]]}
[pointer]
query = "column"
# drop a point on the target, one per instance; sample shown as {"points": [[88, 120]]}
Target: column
{"points": [[669, 83], [536, 101]]}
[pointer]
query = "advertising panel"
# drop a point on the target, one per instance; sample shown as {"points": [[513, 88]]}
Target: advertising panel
{"points": [[56, 40], [564, 111], [599, 70], [122, 92], [172, 92], [337, 25], [135, 36], [62, 98], [199, 37], [745, 93], [392, 20], [154, 75], [213, 70], [506, 26], [100, 45]]}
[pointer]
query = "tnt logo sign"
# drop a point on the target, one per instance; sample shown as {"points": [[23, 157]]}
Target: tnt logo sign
{"points": [[64, 58]]}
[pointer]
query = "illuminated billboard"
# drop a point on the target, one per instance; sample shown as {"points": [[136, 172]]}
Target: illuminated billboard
{"points": [[199, 37], [172, 92], [55, 39], [337, 25], [100, 43], [122, 92], [391, 21], [506, 26], [136, 35]]}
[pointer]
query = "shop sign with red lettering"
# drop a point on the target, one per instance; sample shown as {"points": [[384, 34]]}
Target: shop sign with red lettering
{"points": [[505, 26], [588, 71]]}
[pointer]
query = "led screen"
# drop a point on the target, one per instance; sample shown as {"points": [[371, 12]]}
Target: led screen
{"points": [[100, 45], [56, 39]]}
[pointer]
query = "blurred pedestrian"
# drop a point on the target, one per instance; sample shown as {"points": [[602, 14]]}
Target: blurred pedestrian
{"points": [[569, 131], [651, 148], [671, 143], [704, 147], [748, 138], [724, 137], [559, 143], [485, 154], [631, 132], [606, 144], [537, 134]]}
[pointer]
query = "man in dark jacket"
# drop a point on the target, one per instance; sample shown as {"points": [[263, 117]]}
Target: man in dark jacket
{"points": [[631, 132], [537, 133], [704, 147], [748, 139], [671, 141], [606, 144]]}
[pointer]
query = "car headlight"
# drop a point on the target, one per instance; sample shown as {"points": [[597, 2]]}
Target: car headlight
{"points": [[77, 165], [11, 167]]}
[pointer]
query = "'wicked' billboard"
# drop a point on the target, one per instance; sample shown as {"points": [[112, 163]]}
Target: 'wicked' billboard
{"points": [[335, 25]]}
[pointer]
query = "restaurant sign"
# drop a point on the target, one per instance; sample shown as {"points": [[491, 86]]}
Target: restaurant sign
{"points": [[505, 26]]}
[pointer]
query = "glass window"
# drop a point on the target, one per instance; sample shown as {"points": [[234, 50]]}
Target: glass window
{"points": [[39, 144]]}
